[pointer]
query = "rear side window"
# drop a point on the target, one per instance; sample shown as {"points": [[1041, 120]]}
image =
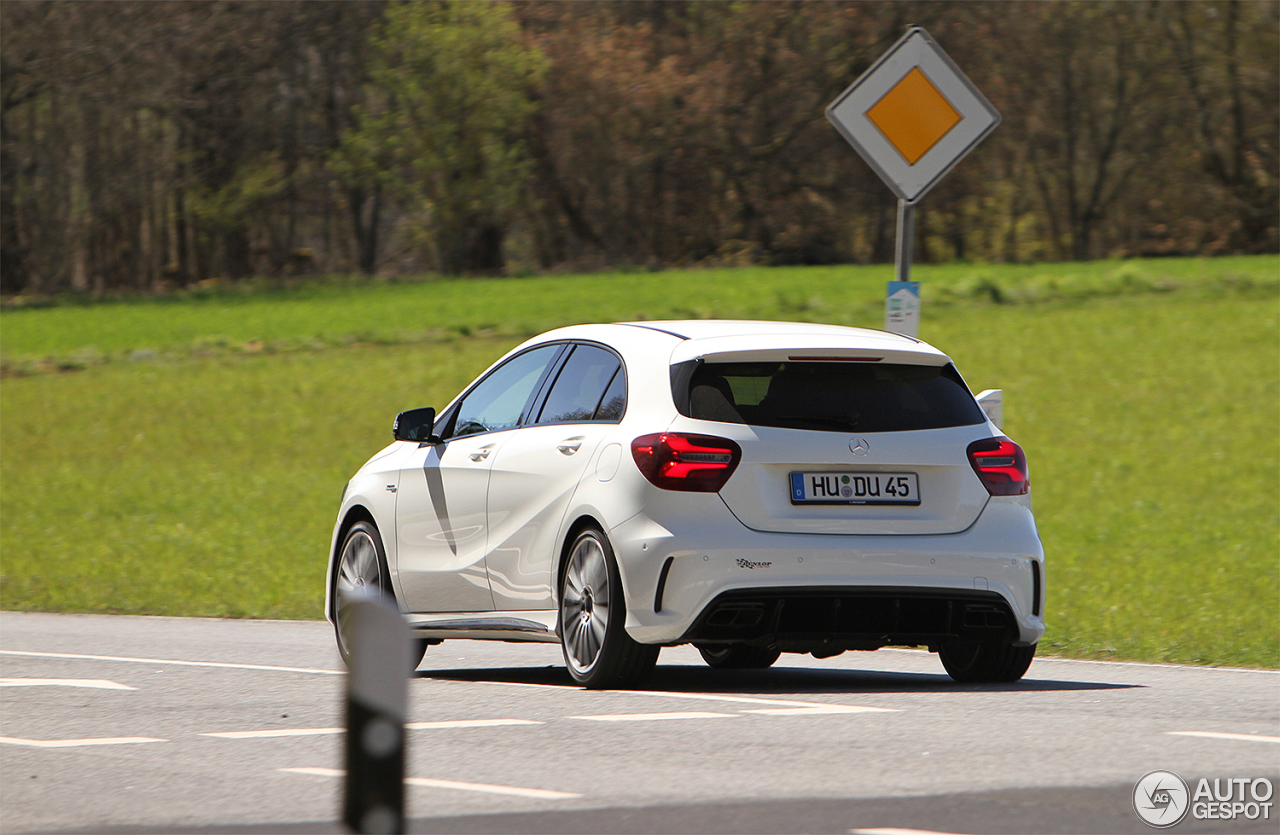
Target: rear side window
{"points": [[586, 388], [614, 403], [830, 396]]}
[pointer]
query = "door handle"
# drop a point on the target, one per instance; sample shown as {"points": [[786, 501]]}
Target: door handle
{"points": [[482, 453], [569, 445]]}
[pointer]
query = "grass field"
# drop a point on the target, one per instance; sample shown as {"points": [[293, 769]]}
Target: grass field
{"points": [[342, 311], [194, 463]]}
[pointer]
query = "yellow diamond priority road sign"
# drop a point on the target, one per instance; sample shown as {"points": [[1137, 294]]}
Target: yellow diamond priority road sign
{"points": [[913, 115]]}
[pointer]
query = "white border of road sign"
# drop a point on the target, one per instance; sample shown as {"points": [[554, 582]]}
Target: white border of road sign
{"points": [[849, 115]]}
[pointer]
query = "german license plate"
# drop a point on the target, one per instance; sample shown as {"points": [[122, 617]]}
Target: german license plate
{"points": [[855, 488]]}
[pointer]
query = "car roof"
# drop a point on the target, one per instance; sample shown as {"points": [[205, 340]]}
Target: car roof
{"points": [[742, 340], [748, 340], [714, 328]]}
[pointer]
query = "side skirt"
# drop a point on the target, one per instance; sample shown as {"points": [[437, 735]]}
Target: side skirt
{"points": [[524, 625]]}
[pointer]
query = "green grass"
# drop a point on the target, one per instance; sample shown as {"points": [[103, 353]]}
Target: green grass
{"points": [[339, 312], [201, 488], [1147, 395], [1153, 434]]}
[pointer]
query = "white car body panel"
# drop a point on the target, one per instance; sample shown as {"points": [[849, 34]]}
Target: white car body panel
{"points": [[441, 546], [544, 461]]}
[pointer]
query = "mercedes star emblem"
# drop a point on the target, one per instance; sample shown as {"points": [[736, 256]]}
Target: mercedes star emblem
{"points": [[859, 447]]}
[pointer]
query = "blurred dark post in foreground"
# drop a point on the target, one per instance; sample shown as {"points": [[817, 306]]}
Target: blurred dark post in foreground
{"points": [[376, 704]]}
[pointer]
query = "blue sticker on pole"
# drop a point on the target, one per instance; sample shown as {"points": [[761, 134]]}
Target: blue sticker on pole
{"points": [[902, 308]]}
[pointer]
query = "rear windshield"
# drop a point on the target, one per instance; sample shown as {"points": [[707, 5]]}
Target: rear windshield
{"points": [[827, 396]]}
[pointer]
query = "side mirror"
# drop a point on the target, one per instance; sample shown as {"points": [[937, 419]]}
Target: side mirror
{"points": [[415, 425]]}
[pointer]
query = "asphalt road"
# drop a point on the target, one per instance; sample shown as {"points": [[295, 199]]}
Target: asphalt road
{"points": [[125, 724]]}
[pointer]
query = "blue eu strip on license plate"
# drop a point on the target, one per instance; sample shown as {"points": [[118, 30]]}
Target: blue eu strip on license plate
{"points": [[855, 488]]}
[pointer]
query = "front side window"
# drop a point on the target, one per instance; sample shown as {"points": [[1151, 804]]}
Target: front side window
{"points": [[582, 391], [831, 396], [499, 400]]}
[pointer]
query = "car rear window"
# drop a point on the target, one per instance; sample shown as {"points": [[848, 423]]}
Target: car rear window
{"points": [[827, 396]]}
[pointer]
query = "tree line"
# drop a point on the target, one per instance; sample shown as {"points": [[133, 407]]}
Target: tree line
{"points": [[147, 145]]}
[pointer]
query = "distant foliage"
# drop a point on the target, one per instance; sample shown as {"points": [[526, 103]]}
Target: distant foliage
{"points": [[164, 144], [441, 126]]}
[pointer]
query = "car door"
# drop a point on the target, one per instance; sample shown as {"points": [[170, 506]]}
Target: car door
{"points": [[441, 520], [536, 472]]}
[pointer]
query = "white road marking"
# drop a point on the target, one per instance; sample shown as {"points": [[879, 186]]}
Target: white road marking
{"points": [[655, 717], [753, 700], [469, 723], [486, 788], [77, 743], [94, 683], [892, 830], [1215, 735], [1196, 667], [275, 732], [270, 733], [815, 707], [817, 710], [174, 662]]}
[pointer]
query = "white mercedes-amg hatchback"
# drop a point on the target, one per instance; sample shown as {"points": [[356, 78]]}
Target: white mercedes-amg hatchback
{"points": [[751, 488]]}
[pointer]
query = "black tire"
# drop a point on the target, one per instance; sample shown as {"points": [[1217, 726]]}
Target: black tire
{"points": [[597, 649], [985, 662], [738, 656], [362, 565]]}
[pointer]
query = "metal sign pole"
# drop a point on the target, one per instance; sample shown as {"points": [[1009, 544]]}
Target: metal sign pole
{"points": [[902, 296], [906, 240]]}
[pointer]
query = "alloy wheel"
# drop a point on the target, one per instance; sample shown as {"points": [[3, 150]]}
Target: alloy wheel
{"points": [[585, 608]]}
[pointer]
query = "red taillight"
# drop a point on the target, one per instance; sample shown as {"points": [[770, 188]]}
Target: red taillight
{"points": [[693, 463], [1000, 464]]}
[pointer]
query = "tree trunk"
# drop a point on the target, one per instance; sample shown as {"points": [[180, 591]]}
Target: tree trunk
{"points": [[366, 235], [13, 266], [484, 253]]}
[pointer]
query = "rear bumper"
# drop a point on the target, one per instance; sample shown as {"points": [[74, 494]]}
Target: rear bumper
{"points": [[827, 621], [818, 591]]}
